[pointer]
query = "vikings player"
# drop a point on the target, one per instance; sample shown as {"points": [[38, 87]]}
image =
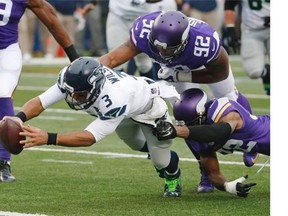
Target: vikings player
{"points": [[11, 12], [86, 85], [220, 125], [121, 16], [189, 51]]}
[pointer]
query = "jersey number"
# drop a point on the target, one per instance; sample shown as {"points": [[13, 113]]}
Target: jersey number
{"points": [[5, 11], [256, 4], [236, 145], [202, 46]]}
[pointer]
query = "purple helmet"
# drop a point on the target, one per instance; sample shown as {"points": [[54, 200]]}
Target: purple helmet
{"points": [[192, 107], [169, 34]]}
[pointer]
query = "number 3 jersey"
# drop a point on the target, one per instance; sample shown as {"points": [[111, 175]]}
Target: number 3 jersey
{"points": [[203, 43], [254, 136], [122, 96]]}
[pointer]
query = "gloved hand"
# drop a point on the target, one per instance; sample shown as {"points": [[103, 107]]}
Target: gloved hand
{"points": [[164, 130], [233, 40], [167, 74], [238, 188], [267, 21]]}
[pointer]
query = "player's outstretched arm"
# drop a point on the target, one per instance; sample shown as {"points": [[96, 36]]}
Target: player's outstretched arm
{"points": [[37, 137], [119, 55]]}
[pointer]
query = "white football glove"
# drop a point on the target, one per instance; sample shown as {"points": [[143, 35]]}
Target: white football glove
{"points": [[167, 74], [236, 187]]}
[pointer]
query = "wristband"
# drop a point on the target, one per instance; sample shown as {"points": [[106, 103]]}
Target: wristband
{"points": [[52, 139], [230, 187], [184, 76], [22, 116], [71, 53], [230, 25]]}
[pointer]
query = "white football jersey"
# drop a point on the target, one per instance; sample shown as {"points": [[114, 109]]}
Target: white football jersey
{"points": [[122, 96], [126, 10], [253, 13]]}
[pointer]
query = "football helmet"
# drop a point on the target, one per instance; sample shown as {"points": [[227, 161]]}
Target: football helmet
{"points": [[83, 80], [192, 107], [169, 34]]}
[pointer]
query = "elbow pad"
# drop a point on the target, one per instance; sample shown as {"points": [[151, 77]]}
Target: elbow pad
{"points": [[209, 133]]}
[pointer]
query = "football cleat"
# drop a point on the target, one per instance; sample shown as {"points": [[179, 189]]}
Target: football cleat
{"points": [[250, 159], [172, 188], [205, 185], [5, 172], [266, 79]]}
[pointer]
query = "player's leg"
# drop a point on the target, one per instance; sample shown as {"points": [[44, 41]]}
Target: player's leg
{"points": [[165, 161], [145, 66], [253, 53], [10, 68], [205, 186], [120, 29], [137, 141]]}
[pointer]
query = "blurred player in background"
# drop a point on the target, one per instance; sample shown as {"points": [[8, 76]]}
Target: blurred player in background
{"points": [[189, 51], [255, 36], [220, 125], [121, 16], [11, 58]]}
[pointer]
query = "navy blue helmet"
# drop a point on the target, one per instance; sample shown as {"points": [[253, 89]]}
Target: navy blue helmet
{"points": [[83, 81]]}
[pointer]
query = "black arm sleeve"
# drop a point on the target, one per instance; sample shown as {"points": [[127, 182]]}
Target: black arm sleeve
{"points": [[231, 4], [209, 133]]}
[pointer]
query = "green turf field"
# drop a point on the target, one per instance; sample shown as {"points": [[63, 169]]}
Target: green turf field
{"points": [[109, 178]]}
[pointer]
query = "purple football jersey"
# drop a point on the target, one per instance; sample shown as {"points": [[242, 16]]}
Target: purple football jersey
{"points": [[11, 12], [203, 43], [254, 136]]}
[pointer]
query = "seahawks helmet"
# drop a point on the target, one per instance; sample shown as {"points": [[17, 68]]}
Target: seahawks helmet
{"points": [[169, 34], [192, 107], [83, 81]]}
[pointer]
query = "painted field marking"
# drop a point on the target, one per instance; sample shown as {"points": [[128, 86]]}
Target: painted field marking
{"points": [[121, 155]]}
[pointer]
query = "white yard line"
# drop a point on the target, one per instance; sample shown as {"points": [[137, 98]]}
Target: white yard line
{"points": [[124, 155], [7, 213]]}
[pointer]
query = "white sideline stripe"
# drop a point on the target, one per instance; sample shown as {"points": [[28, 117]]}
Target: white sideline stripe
{"points": [[66, 161], [56, 118], [121, 155], [55, 110], [7, 213]]}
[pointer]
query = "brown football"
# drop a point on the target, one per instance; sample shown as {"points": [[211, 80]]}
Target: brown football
{"points": [[9, 136]]}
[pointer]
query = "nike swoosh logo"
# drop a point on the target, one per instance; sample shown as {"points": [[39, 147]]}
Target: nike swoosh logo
{"points": [[213, 49]]}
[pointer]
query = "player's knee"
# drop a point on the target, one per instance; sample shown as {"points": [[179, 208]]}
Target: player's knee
{"points": [[160, 164], [144, 68], [254, 73]]}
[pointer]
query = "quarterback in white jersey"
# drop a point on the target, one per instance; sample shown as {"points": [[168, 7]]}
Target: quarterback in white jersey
{"points": [[255, 36], [129, 105]]}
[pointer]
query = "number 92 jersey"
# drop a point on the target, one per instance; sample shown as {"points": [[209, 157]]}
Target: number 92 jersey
{"points": [[203, 43]]}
